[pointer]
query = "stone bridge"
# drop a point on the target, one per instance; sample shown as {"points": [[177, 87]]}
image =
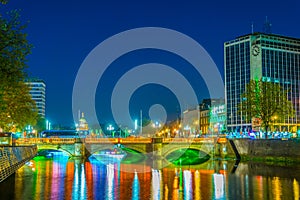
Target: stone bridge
{"points": [[159, 147]]}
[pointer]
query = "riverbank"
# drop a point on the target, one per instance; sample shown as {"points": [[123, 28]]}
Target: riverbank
{"points": [[265, 150]]}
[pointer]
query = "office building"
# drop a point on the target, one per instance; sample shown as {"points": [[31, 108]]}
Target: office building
{"points": [[38, 94], [263, 56]]}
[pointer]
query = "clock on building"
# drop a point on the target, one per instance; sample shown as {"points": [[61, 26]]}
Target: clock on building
{"points": [[255, 50]]}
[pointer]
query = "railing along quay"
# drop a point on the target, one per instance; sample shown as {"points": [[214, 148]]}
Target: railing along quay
{"points": [[12, 158]]}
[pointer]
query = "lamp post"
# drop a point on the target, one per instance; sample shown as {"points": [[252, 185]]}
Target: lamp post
{"points": [[110, 128], [156, 125], [48, 125], [274, 121]]}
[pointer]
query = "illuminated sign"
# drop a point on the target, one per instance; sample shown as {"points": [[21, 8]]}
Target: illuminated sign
{"points": [[218, 109]]}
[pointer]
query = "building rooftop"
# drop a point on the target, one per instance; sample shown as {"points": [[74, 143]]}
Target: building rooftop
{"points": [[245, 37], [34, 80], [270, 35]]}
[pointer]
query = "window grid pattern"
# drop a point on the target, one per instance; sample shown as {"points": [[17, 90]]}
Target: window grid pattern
{"points": [[281, 65], [237, 69]]}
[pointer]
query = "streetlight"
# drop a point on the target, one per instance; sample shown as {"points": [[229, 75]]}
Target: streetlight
{"points": [[48, 125], [156, 125], [110, 128], [274, 121], [135, 124]]}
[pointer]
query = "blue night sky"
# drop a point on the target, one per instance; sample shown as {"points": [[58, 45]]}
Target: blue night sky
{"points": [[64, 32]]}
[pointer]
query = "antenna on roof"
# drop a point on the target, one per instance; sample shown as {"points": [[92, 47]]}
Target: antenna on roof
{"points": [[267, 26], [252, 28]]}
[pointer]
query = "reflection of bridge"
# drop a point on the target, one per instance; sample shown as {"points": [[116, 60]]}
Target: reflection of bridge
{"points": [[157, 147]]}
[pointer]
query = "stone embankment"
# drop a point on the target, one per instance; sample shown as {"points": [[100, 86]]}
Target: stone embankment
{"points": [[270, 150]]}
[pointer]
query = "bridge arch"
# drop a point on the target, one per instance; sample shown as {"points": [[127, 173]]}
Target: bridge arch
{"points": [[55, 147], [136, 147], [93, 148], [169, 148]]}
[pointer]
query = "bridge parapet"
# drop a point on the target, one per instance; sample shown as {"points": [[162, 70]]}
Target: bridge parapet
{"points": [[189, 140], [100, 140], [158, 146], [32, 141], [119, 140]]}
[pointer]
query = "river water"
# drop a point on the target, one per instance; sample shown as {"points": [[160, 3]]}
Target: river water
{"points": [[61, 177]]}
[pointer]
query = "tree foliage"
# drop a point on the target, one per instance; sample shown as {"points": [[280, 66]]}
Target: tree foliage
{"points": [[3, 1], [40, 124], [265, 100], [17, 109], [14, 48]]}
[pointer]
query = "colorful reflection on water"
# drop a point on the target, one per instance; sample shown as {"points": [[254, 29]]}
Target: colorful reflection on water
{"points": [[65, 178]]}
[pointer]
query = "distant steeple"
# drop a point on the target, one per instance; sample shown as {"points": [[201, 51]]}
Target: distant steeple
{"points": [[267, 26]]}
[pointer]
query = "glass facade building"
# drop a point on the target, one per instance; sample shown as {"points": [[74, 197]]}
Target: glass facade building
{"points": [[263, 56], [38, 94]]}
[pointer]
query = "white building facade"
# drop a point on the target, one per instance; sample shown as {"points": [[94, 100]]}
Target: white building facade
{"points": [[38, 94]]}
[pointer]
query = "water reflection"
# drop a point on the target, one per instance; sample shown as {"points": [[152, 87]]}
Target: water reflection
{"points": [[135, 187], [110, 181], [188, 190], [197, 185], [64, 178], [219, 186], [156, 184]]}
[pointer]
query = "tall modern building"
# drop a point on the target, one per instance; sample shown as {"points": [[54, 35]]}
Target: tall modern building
{"points": [[263, 56], [38, 94]]}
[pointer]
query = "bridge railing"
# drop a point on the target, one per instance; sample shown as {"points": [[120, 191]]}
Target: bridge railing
{"points": [[189, 140], [136, 140], [118, 140], [30, 141], [100, 140]]}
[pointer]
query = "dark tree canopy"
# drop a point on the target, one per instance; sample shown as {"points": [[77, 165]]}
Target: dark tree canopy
{"points": [[3, 1], [17, 109], [14, 48], [264, 100]]}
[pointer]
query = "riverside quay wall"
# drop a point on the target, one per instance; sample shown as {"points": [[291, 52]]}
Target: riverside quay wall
{"points": [[272, 150], [14, 157]]}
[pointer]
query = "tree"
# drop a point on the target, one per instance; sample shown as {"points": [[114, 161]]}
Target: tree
{"points": [[264, 100], [3, 1], [40, 124], [17, 109]]}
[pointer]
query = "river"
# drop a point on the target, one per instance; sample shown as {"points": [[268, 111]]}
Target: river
{"points": [[62, 177]]}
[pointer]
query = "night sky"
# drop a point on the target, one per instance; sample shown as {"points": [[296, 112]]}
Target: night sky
{"points": [[64, 32]]}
